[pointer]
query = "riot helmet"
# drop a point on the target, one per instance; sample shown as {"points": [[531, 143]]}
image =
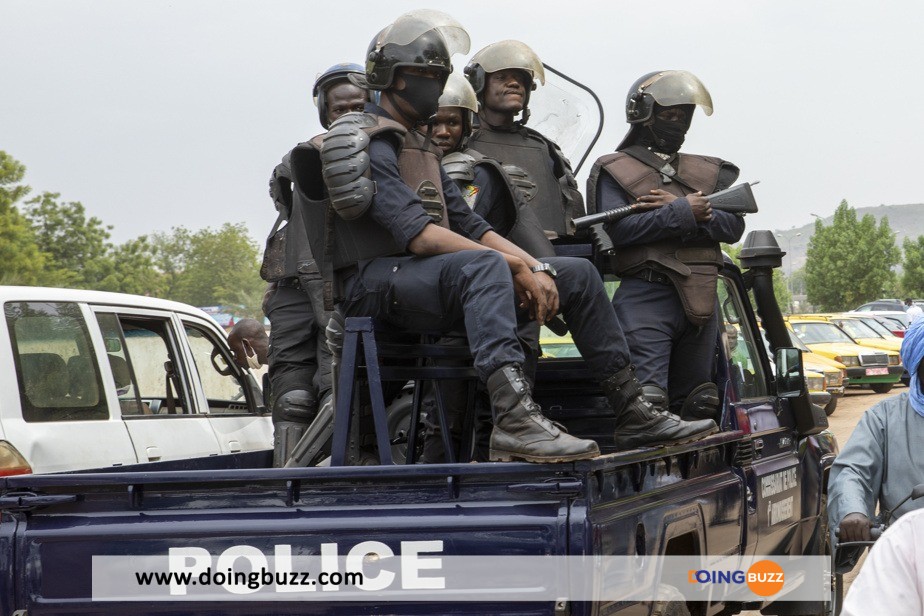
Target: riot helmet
{"points": [[656, 90], [505, 55], [336, 73], [458, 92], [424, 39]]}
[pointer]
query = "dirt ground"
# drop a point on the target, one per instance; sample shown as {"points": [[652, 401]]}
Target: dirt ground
{"points": [[849, 410]]}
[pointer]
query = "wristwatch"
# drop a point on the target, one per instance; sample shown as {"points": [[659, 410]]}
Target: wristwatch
{"points": [[545, 268]]}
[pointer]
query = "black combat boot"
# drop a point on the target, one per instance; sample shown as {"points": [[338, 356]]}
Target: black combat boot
{"points": [[638, 423], [521, 431]]}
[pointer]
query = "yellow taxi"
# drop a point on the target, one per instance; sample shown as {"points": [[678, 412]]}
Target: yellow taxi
{"points": [[835, 373], [860, 330], [880, 369]]}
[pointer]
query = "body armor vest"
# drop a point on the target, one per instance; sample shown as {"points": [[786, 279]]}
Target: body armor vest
{"points": [[557, 200], [692, 266], [517, 222], [288, 251], [336, 242]]}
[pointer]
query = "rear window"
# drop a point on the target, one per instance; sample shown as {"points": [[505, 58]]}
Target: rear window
{"points": [[56, 368]]}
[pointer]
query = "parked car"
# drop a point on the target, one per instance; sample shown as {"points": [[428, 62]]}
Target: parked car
{"points": [[94, 380], [835, 373], [898, 320], [882, 304], [877, 368]]}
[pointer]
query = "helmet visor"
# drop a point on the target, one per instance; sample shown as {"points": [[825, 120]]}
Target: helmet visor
{"points": [[510, 54], [410, 26], [679, 88]]}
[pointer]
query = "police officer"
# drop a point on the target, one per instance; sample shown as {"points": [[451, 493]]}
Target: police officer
{"points": [[299, 360], [668, 257], [503, 75], [413, 255], [500, 194]]}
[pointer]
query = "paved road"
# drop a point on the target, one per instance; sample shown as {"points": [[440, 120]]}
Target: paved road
{"points": [[849, 410]]}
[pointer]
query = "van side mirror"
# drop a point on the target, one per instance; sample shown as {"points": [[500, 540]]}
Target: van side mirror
{"points": [[790, 386], [790, 376]]}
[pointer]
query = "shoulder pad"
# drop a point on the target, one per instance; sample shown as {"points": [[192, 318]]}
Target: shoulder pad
{"points": [[459, 166], [280, 186], [345, 165], [521, 181]]}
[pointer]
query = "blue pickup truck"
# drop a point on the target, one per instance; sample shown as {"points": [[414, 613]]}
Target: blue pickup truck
{"points": [[756, 487]]}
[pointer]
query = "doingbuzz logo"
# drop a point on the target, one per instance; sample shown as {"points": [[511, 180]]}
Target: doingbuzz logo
{"points": [[763, 578]]}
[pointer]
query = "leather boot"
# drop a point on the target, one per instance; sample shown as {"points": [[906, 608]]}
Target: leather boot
{"points": [[521, 431], [638, 423]]}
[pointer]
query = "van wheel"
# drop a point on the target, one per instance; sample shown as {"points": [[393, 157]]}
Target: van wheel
{"points": [[881, 388], [831, 406]]}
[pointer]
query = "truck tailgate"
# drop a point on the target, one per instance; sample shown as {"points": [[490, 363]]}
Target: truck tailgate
{"points": [[56, 524]]}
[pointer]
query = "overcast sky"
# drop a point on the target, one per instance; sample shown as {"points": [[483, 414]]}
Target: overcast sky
{"points": [[155, 114]]}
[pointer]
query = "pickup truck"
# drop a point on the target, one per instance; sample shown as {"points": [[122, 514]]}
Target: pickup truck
{"points": [[756, 487]]}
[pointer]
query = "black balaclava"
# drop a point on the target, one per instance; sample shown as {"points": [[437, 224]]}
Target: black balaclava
{"points": [[422, 94], [663, 136]]}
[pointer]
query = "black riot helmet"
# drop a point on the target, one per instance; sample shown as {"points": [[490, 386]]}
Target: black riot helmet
{"points": [[505, 55], [338, 72], [664, 89], [421, 39]]}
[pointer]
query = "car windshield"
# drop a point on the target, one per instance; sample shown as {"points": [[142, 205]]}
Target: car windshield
{"points": [[881, 329], [856, 328], [798, 343], [814, 333]]}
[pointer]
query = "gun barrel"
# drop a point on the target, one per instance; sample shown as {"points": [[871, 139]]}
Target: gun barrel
{"points": [[608, 216]]}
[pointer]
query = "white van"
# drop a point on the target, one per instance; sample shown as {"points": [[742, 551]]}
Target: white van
{"points": [[93, 380]]}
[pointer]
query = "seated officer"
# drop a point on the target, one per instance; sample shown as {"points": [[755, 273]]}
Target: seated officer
{"points": [[412, 254]]}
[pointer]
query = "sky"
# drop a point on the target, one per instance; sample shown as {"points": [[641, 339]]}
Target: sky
{"points": [[156, 114]]}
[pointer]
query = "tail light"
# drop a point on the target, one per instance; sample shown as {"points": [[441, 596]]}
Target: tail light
{"points": [[12, 462], [899, 332]]}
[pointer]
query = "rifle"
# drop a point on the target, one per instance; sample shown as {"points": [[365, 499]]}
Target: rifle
{"points": [[739, 199]]}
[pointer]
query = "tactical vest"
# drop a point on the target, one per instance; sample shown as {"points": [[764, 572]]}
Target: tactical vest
{"points": [[521, 226], [335, 213], [288, 251], [692, 266], [557, 200]]}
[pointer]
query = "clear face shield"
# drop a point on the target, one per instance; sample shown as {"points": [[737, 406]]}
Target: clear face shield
{"points": [[670, 88], [409, 26]]}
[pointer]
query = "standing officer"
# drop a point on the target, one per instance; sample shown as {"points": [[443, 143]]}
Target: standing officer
{"points": [[503, 74], [413, 255], [668, 257], [299, 360]]}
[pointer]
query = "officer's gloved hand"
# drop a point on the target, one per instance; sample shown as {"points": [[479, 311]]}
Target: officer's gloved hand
{"points": [[855, 527]]}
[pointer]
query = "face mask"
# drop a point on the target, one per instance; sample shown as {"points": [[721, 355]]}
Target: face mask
{"points": [[422, 94], [668, 136], [252, 361]]}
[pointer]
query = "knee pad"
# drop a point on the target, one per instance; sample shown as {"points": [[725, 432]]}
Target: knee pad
{"points": [[702, 403], [655, 396], [297, 406]]}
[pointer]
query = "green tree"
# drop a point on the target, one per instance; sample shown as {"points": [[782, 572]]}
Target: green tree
{"points": [[78, 246], [850, 262], [209, 267], [780, 284], [913, 267], [129, 268], [21, 259]]}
